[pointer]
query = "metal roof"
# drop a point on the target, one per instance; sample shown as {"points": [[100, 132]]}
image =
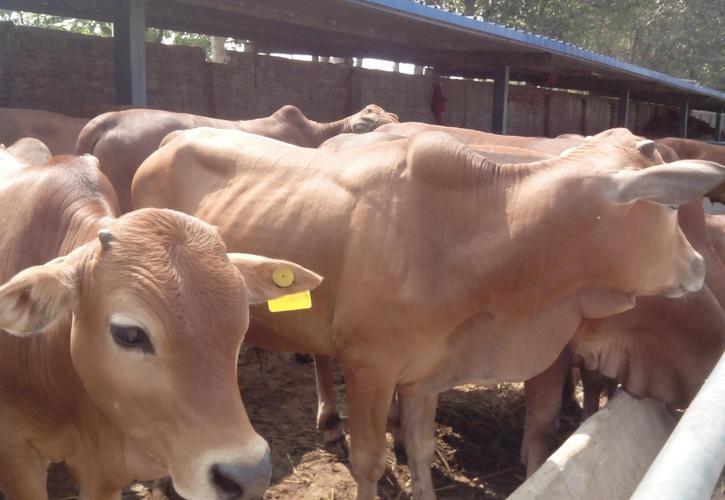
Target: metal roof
{"points": [[537, 42], [403, 31]]}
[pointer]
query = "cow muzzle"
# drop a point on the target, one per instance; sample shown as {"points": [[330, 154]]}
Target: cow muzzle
{"points": [[240, 473], [694, 281], [236, 483], [245, 477]]}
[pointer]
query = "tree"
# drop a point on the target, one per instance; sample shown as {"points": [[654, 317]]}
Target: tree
{"points": [[99, 28], [683, 38]]}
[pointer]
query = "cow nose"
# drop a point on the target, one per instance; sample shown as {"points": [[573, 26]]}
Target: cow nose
{"points": [[224, 479], [236, 482]]}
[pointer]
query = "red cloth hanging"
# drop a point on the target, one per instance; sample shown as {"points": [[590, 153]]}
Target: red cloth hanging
{"points": [[438, 104]]}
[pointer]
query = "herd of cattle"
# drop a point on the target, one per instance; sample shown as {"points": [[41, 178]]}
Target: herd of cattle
{"points": [[449, 256]]}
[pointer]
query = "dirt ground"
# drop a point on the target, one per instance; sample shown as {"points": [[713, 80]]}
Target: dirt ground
{"points": [[478, 429]]}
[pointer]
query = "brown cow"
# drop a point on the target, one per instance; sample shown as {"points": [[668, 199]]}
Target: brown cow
{"points": [[123, 139], [119, 357], [58, 132], [442, 267], [662, 348], [328, 415], [695, 150], [502, 154], [469, 136], [546, 145]]}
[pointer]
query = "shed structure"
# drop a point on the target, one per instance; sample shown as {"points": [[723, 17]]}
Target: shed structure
{"points": [[397, 30]]}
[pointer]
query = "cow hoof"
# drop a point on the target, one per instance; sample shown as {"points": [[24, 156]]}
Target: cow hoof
{"points": [[338, 447]]}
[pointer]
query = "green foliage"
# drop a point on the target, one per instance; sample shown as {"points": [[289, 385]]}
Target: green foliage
{"points": [[99, 28], [179, 38], [684, 38], [83, 26]]}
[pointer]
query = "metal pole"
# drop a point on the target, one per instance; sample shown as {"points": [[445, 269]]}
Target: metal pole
{"points": [[690, 462], [684, 115], [129, 42], [500, 99], [623, 109]]}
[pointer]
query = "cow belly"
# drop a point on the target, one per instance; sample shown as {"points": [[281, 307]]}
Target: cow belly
{"points": [[487, 349]]}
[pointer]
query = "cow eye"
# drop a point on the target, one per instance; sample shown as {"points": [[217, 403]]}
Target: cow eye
{"points": [[673, 207], [132, 337]]}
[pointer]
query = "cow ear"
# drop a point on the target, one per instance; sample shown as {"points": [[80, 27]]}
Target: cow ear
{"points": [[673, 183], [271, 278], [39, 297]]}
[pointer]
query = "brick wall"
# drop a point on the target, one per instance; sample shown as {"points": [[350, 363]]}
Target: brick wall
{"points": [[74, 74]]}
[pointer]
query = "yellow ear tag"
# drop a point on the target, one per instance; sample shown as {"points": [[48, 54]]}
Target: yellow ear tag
{"points": [[292, 302], [283, 277]]}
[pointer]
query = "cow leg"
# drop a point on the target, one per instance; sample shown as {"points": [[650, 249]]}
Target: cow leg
{"points": [[368, 396], [593, 384], [417, 413], [396, 430], [543, 407], [328, 416], [23, 478]]}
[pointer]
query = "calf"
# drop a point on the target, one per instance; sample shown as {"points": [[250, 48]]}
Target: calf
{"points": [[119, 356]]}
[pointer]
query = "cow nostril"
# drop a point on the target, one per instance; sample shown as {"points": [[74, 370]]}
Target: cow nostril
{"points": [[225, 483]]}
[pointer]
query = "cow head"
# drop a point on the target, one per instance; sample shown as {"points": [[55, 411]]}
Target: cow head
{"points": [[370, 118], [629, 219], [159, 310]]}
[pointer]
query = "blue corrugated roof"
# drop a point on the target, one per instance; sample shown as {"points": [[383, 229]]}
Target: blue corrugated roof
{"points": [[522, 38]]}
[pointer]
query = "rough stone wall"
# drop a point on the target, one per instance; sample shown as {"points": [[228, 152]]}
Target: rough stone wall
{"points": [[74, 74], [600, 114], [527, 110], [55, 70], [177, 78]]}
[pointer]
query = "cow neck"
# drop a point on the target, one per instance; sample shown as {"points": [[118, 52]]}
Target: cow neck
{"points": [[327, 130], [498, 202]]}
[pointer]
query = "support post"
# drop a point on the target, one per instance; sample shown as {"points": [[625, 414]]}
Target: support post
{"points": [[623, 109], [684, 116], [129, 42], [218, 52], [499, 105], [718, 124]]}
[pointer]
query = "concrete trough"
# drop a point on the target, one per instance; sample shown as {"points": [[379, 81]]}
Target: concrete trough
{"points": [[629, 450], [607, 456]]}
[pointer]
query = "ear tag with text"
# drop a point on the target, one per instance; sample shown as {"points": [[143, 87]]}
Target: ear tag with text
{"points": [[292, 302]]}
